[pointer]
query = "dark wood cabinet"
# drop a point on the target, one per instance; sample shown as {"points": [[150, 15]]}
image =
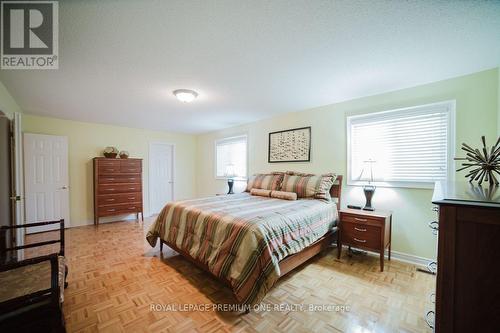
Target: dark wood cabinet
{"points": [[366, 230], [468, 264], [117, 187]]}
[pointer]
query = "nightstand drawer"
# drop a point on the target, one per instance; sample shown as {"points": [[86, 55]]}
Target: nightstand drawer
{"points": [[371, 221], [360, 229], [364, 240], [361, 235]]}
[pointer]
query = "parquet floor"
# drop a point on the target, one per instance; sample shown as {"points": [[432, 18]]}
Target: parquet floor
{"points": [[115, 278]]}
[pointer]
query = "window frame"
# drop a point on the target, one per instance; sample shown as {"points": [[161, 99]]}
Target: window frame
{"points": [[450, 149], [225, 139]]}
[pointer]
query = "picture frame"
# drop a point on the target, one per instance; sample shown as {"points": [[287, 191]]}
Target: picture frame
{"points": [[292, 145]]}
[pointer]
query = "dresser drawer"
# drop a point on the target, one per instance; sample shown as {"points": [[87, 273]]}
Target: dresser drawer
{"points": [[113, 199], [119, 209], [109, 169], [120, 179], [130, 166], [119, 188], [111, 162]]}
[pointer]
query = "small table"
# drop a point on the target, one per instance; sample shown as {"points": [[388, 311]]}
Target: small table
{"points": [[366, 230]]}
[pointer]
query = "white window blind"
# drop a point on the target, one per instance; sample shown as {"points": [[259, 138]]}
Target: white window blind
{"points": [[231, 157], [410, 147]]}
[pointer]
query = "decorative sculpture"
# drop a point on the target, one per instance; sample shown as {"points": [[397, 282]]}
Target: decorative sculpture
{"points": [[484, 165]]}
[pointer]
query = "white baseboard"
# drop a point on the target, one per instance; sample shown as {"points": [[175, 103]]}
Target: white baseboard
{"points": [[404, 257]]}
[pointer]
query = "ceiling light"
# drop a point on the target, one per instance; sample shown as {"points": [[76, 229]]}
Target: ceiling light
{"points": [[185, 95]]}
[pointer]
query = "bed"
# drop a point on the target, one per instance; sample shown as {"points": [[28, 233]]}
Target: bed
{"points": [[248, 242]]}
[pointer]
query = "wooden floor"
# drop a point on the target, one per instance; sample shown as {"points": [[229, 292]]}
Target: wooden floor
{"points": [[115, 277]]}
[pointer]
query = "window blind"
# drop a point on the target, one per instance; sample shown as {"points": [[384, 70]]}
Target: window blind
{"points": [[231, 155], [408, 146]]}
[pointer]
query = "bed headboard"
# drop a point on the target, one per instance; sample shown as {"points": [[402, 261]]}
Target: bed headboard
{"points": [[336, 190]]}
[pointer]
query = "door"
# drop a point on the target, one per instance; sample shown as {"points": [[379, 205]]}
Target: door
{"points": [[46, 180], [161, 175], [18, 179]]}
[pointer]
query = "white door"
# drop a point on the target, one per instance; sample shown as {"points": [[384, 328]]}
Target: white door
{"points": [[161, 176], [46, 180], [18, 184]]}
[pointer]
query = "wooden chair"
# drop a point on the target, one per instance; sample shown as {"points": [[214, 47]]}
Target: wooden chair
{"points": [[31, 290]]}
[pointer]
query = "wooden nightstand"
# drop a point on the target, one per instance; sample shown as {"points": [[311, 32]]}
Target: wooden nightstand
{"points": [[366, 230]]}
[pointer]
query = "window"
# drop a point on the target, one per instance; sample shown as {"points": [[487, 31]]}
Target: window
{"points": [[231, 157], [408, 147]]}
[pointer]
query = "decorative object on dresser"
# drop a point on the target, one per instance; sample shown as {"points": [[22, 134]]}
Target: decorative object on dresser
{"points": [[124, 154], [467, 287], [366, 230], [117, 187], [293, 145], [368, 189], [484, 165], [110, 152]]}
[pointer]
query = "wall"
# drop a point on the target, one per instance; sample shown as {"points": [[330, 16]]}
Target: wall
{"points": [[86, 140], [476, 115], [7, 104]]}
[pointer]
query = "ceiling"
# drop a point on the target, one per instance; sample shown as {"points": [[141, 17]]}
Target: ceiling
{"points": [[119, 61]]}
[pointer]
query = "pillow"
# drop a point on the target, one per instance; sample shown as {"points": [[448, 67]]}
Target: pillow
{"points": [[284, 195], [271, 181], [260, 192], [309, 185]]}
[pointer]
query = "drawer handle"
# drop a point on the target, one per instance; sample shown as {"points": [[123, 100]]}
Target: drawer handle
{"points": [[131, 208], [434, 225], [109, 189], [359, 229], [110, 178], [359, 240], [131, 198], [428, 320], [111, 210], [361, 220], [131, 188], [131, 169], [432, 267], [110, 199], [131, 179]]}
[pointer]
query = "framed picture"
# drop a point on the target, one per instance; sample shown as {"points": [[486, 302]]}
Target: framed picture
{"points": [[293, 145]]}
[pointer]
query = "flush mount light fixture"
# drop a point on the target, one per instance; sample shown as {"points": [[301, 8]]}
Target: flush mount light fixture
{"points": [[185, 95]]}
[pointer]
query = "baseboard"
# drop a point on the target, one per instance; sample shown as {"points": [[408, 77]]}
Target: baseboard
{"points": [[404, 257], [110, 219]]}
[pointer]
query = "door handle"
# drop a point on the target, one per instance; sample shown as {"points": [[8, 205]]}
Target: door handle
{"points": [[15, 198]]}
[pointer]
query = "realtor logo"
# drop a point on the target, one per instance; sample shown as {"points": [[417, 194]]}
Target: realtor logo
{"points": [[29, 35]]}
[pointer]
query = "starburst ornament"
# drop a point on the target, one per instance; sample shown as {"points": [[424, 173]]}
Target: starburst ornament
{"points": [[484, 165]]}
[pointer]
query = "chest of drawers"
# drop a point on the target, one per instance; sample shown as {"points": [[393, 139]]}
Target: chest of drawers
{"points": [[117, 187]]}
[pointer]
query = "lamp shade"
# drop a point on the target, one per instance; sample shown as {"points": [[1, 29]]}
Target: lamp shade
{"points": [[367, 174], [230, 171]]}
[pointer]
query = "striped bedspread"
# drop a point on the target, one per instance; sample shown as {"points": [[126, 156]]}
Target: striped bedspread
{"points": [[241, 238]]}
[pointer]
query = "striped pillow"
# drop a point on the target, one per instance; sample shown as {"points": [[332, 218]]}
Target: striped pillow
{"points": [[309, 185], [270, 181]]}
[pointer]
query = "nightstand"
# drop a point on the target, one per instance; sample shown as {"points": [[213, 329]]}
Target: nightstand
{"points": [[366, 230]]}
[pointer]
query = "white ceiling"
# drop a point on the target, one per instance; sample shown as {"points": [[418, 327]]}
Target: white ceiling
{"points": [[120, 60]]}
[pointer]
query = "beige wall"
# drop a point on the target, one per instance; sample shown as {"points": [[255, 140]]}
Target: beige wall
{"points": [[86, 140], [7, 104], [475, 96]]}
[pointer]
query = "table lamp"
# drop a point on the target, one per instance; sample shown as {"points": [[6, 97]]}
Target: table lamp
{"points": [[230, 174], [368, 189]]}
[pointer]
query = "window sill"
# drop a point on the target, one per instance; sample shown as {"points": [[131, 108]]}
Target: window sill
{"points": [[409, 185]]}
